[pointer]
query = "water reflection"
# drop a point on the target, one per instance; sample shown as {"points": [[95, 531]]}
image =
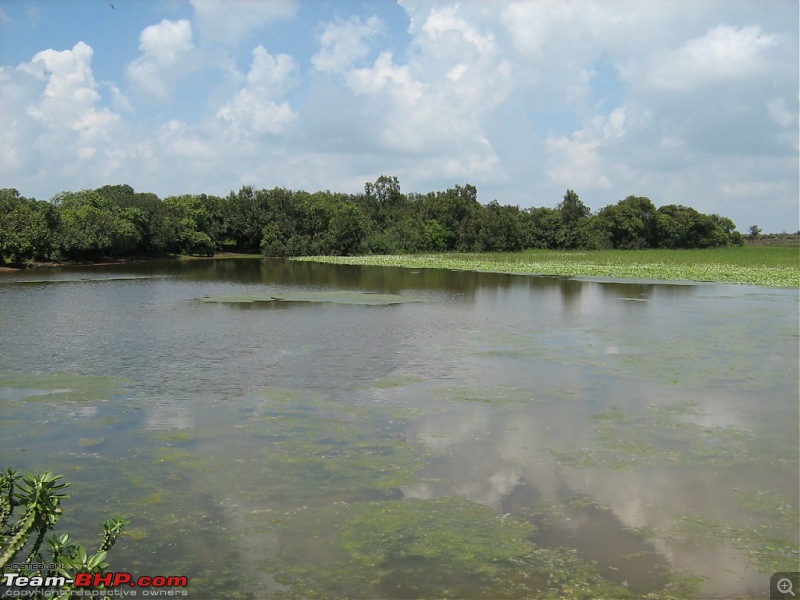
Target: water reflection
{"points": [[649, 426]]}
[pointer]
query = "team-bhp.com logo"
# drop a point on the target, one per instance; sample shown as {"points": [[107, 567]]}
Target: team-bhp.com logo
{"points": [[87, 584]]}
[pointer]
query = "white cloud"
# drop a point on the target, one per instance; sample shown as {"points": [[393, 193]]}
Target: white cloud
{"points": [[432, 105], [229, 21], [686, 102], [167, 52], [385, 76], [58, 125], [256, 108], [70, 91], [182, 142], [269, 74], [344, 42], [780, 114], [723, 53], [577, 160], [443, 22]]}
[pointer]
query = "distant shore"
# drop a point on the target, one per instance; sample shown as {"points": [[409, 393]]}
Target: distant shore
{"points": [[768, 266], [763, 265], [121, 261]]}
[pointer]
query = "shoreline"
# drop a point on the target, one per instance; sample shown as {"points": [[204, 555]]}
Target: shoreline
{"points": [[122, 261], [695, 266], [631, 266]]}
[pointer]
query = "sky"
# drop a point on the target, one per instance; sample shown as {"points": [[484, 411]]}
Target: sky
{"points": [[685, 102]]}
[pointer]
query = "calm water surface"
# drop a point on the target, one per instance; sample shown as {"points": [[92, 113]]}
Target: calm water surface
{"points": [[292, 449]]}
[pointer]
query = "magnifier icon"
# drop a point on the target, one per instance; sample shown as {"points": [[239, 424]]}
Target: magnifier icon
{"points": [[784, 586]]}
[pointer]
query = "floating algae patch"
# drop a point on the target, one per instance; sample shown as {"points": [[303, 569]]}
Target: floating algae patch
{"points": [[442, 548], [339, 297], [90, 442], [172, 436], [310, 448], [660, 435], [766, 542], [396, 381], [503, 395], [59, 386], [719, 351]]}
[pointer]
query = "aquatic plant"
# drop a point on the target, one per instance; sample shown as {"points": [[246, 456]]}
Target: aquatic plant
{"points": [[58, 386], [337, 297], [765, 266], [439, 548]]}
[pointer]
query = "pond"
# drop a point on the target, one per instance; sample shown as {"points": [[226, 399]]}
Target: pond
{"points": [[296, 430]]}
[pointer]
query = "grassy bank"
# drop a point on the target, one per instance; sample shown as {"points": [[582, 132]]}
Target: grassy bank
{"points": [[754, 265]]}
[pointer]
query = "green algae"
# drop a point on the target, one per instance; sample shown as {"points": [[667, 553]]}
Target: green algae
{"points": [[311, 448], [500, 395], [766, 545], [177, 435], [766, 533], [58, 386], [395, 381], [441, 548], [90, 442], [689, 359], [660, 435], [337, 297]]}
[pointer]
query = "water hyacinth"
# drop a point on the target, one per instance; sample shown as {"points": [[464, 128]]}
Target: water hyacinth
{"points": [[763, 266]]}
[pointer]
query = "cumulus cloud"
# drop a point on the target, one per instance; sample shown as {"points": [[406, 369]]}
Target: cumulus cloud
{"points": [[58, 122], [577, 160], [723, 53], [686, 102], [256, 108], [167, 51], [430, 104], [180, 141], [344, 42], [229, 21]]}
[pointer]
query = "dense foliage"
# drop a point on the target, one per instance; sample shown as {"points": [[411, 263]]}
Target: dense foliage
{"points": [[36, 500], [115, 222]]}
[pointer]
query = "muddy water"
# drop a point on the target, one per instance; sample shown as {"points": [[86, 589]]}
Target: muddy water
{"points": [[415, 433]]}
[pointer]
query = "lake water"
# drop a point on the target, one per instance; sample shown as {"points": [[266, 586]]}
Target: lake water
{"points": [[498, 436]]}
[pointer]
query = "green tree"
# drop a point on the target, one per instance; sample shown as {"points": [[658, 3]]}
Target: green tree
{"points": [[272, 242], [190, 223], [91, 228], [630, 223], [199, 243], [729, 236], [27, 228], [247, 212], [544, 228], [573, 211], [158, 230], [347, 229], [501, 228], [457, 210]]}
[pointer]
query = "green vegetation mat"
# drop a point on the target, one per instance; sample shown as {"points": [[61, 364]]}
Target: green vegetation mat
{"points": [[754, 265], [340, 297]]}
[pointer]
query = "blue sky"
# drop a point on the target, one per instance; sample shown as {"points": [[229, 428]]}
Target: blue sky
{"points": [[685, 102]]}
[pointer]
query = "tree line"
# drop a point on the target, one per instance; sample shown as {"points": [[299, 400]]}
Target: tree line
{"points": [[114, 221]]}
